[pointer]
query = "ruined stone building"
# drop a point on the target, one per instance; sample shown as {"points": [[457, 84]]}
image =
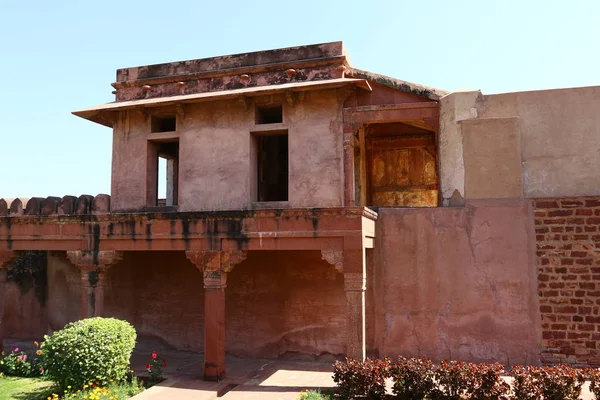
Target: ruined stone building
{"points": [[315, 209]]}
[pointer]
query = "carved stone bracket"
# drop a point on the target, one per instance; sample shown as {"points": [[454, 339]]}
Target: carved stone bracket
{"points": [[335, 258], [213, 260], [215, 265], [92, 260], [231, 258]]}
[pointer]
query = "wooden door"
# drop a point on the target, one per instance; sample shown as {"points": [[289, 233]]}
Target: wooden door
{"points": [[402, 171]]}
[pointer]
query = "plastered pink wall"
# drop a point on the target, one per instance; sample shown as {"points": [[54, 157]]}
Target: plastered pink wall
{"points": [[458, 283]]}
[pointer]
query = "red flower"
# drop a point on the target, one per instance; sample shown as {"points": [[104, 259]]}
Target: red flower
{"points": [[164, 364], [147, 366], [154, 355]]}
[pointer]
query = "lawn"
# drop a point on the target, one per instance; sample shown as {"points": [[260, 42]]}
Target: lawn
{"points": [[24, 388]]}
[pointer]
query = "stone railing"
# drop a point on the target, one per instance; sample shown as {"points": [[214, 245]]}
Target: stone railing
{"points": [[84, 204]]}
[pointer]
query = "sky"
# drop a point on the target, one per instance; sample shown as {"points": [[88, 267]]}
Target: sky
{"points": [[59, 56]]}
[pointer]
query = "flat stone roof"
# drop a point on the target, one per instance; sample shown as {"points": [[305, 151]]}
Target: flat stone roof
{"points": [[313, 52]]}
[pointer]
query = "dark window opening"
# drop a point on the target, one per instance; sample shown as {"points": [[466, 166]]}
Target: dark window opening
{"points": [[167, 174], [269, 114], [163, 124], [272, 164]]}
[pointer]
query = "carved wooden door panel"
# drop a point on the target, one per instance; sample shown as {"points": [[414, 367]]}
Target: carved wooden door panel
{"points": [[401, 171]]}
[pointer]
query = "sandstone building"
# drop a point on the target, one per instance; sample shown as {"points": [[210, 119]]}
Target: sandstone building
{"points": [[314, 209]]}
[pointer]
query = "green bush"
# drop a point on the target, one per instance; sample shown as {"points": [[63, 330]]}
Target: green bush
{"points": [[90, 350]]}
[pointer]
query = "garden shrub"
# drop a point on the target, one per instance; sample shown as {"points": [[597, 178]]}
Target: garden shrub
{"points": [[414, 378], [488, 382], [525, 385], [455, 379], [561, 382], [90, 350], [593, 374], [361, 378]]}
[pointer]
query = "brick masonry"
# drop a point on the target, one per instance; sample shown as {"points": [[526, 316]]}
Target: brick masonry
{"points": [[568, 259]]}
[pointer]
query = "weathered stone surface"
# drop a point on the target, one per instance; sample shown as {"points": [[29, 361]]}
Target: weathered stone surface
{"points": [[50, 206], [101, 204], [33, 206], [67, 205], [3, 208], [84, 204], [16, 206]]}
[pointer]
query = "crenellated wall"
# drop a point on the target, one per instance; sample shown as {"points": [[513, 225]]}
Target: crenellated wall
{"points": [[66, 205]]}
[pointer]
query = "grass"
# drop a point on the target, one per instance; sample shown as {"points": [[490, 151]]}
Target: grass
{"points": [[12, 388], [24, 388]]}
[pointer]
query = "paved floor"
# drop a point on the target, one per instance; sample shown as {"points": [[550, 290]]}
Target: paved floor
{"points": [[246, 378]]}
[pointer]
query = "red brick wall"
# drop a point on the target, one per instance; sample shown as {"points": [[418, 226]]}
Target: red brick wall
{"points": [[568, 258]]}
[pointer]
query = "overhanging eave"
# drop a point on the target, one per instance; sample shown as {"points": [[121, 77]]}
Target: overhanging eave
{"points": [[104, 113]]}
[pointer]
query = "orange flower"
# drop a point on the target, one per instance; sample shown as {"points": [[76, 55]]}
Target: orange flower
{"points": [[36, 344]]}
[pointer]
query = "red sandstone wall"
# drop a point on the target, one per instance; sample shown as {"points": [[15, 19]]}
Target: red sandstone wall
{"points": [[568, 259], [278, 303], [458, 283], [285, 303]]}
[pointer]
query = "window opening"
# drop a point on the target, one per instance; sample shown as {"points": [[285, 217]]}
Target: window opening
{"points": [[163, 124], [272, 114], [272, 162]]}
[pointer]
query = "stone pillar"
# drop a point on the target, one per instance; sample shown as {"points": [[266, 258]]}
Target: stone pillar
{"points": [[354, 285], [214, 266], [6, 259], [351, 262], [93, 266]]}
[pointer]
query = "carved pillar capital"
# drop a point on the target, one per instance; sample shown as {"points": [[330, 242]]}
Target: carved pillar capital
{"points": [[335, 258], [215, 280], [93, 260], [215, 265], [214, 260], [7, 257]]}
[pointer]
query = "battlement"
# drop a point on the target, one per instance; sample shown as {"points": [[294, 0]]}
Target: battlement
{"points": [[66, 205]]}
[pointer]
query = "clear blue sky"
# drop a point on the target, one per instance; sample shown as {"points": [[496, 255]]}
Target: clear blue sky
{"points": [[58, 56]]}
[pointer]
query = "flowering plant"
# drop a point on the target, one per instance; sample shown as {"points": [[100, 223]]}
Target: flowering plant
{"points": [[154, 368], [18, 363]]}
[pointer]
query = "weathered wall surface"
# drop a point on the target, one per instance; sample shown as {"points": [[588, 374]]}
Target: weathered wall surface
{"points": [[279, 303], [64, 281], [560, 138], [216, 152], [458, 283], [568, 259], [285, 303], [25, 297], [129, 162]]}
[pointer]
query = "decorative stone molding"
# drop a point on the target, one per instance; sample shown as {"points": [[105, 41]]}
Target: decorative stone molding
{"points": [[231, 258], [204, 260], [214, 260], [94, 259], [335, 258], [354, 282], [215, 280]]}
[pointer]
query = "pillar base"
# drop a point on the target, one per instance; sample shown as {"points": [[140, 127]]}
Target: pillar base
{"points": [[214, 372]]}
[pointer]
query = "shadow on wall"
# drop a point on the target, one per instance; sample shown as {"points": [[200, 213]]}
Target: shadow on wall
{"points": [[25, 314]]}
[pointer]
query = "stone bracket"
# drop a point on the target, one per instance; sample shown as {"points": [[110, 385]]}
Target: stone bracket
{"points": [[335, 258], [93, 260], [215, 265]]}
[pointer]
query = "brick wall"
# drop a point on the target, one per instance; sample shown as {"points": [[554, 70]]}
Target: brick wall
{"points": [[568, 258]]}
